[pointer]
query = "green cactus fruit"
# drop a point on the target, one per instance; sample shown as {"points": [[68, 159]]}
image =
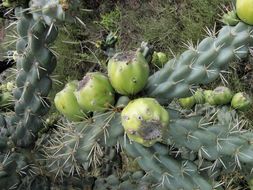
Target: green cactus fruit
{"points": [[162, 58], [66, 103], [244, 9], [222, 95], [94, 92], [159, 59], [187, 103], [199, 96], [241, 101], [250, 184], [230, 18], [145, 121], [209, 97], [155, 59], [128, 72]]}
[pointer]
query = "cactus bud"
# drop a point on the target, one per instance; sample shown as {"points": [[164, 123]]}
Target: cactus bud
{"points": [[159, 59], [145, 121], [230, 18]]}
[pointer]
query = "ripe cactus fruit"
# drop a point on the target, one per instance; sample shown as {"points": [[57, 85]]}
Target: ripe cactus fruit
{"points": [[94, 92], [66, 103], [128, 72], [241, 101], [187, 103], [244, 10], [145, 121], [222, 95]]}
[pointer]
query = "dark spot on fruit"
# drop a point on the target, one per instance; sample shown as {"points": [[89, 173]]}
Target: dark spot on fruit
{"points": [[125, 56], [83, 82]]}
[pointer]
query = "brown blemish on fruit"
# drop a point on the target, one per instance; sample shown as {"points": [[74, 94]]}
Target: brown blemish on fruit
{"points": [[83, 82], [125, 56]]}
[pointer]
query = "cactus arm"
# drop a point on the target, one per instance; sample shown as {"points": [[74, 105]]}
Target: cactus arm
{"points": [[82, 142], [220, 142], [201, 65], [167, 172], [35, 62]]}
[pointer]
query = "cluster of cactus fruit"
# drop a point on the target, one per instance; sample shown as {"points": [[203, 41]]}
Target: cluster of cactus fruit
{"points": [[120, 129], [219, 96]]}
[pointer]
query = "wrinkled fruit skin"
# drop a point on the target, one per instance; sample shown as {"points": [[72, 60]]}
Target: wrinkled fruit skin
{"points": [[66, 103], [94, 92], [222, 95], [244, 9], [199, 96], [145, 121], [209, 97], [128, 72], [241, 101], [187, 103]]}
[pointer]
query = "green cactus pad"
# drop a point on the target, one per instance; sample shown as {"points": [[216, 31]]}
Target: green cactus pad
{"points": [[145, 121], [128, 72], [95, 93]]}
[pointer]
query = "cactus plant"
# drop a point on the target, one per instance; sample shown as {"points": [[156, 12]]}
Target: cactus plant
{"points": [[172, 148]]}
